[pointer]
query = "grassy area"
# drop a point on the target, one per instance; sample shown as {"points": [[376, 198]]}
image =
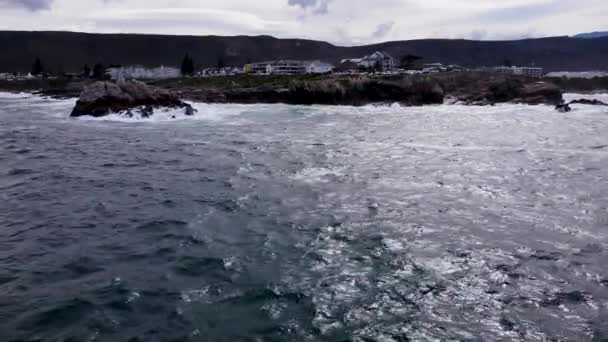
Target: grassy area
{"points": [[452, 83], [241, 81]]}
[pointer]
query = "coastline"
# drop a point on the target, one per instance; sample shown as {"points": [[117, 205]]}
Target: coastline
{"points": [[352, 90]]}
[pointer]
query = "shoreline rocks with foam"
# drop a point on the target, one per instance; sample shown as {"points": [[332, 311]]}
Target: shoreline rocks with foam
{"points": [[128, 97]]}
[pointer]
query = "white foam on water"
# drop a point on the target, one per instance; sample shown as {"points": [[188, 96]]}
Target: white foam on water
{"points": [[7, 95], [204, 112], [423, 119], [318, 175]]}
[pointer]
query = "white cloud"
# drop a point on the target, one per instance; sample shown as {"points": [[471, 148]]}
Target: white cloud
{"points": [[317, 6], [383, 30], [339, 21], [32, 5]]}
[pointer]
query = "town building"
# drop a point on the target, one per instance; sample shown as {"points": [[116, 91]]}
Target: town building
{"points": [[140, 72], [378, 59], [522, 71], [434, 68], [261, 68], [288, 67], [318, 67], [433, 65], [20, 76], [456, 68], [440, 67], [577, 74], [217, 72]]}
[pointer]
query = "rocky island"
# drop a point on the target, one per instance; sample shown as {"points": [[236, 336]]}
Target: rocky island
{"points": [[127, 98]]}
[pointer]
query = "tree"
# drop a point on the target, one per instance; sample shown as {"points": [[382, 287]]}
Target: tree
{"points": [[187, 65], [37, 68], [86, 71], [507, 63], [220, 62], [99, 71], [408, 61]]}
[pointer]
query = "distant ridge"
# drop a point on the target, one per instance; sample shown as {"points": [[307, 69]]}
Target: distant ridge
{"points": [[69, 51], [591, 35]]}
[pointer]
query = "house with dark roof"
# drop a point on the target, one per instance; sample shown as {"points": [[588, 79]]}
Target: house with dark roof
{"points": [[378, 59]]}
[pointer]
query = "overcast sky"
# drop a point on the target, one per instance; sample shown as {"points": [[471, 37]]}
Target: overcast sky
{"points": [[345, 22]]}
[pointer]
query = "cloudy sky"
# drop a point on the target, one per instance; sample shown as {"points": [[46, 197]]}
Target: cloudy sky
{"points": [[345, 22]]}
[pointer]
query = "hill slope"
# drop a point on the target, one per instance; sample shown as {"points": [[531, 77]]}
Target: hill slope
{"points": [[592, 35], [68, 51]]}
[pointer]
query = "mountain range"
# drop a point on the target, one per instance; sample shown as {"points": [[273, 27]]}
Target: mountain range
{"points": [[591, 35], [70, 51]]}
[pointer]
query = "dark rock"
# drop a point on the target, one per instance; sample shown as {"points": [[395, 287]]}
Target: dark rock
{"points": [[103, 98], [356, 91], [189, 110], [506, 90], [540, 93], [364, 90], [563, 108], [480, 92], [589, 102]]}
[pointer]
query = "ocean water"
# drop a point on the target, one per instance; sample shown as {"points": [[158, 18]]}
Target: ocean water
{"points": [[295, 223]]}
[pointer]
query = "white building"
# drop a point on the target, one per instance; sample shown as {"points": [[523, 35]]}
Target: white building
{"points": [[522, 71], [578, 74], [434, 68], [378, 58], [439, 67], [261, 68], [318, 67], [217, 72], [6, 76], [288, 67], [140, 72]]}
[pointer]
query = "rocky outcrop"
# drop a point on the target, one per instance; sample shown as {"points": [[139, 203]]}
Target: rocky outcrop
{"points": [[361, 91], [563, 108], [540, 93], [471, 89], [128, 97], [593, 102], [513, 90], [334, 91], [566, 107]]}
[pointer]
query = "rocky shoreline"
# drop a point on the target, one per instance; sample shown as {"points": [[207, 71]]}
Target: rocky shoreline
{"points": [[479, 89], [468, 89]]}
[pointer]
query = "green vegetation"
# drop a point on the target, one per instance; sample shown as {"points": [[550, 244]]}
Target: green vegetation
{"points": [[99, 71], [227, 82], [220, 62], [37, 68], [86, 71], [187, 65], [409, 61]]}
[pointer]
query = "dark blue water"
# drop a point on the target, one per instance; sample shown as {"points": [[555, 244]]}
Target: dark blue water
{"points": [[279, 223]]}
